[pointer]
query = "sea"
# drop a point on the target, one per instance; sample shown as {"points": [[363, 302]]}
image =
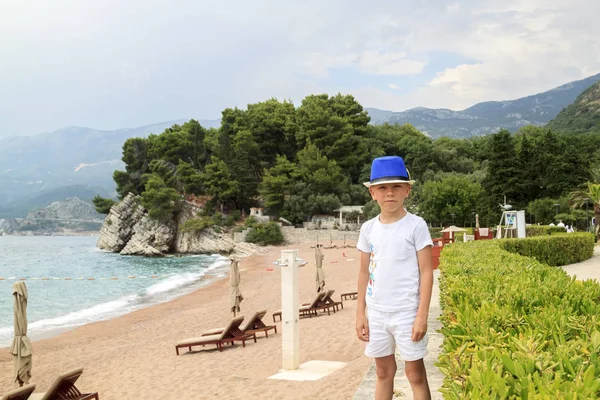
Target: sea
{"points": [[71, 282]]}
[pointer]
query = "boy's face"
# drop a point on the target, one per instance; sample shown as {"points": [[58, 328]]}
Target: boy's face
{"points": [[390, 196]]}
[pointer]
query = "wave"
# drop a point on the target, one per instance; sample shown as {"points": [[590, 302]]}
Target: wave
{"points": [[165, 290]]}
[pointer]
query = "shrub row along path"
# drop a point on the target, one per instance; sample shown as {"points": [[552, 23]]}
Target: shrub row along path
{"points": [[588, 269]]}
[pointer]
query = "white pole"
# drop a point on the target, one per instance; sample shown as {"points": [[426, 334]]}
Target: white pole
{"points": [[290, 349]]}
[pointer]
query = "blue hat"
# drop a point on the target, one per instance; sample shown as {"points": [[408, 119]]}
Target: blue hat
{"points": [[389, 169]]}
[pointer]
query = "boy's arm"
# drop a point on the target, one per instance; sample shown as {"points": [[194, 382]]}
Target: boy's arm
{"points": [[362, 325], [425, 288]]}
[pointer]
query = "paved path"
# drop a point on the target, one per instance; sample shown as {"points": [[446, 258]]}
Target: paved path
{"points": [[588, 269], [366, 390]]}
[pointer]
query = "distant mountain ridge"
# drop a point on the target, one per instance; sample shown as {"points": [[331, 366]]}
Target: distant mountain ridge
{"points": [[581, 116], [33, 167], [490, 116]]}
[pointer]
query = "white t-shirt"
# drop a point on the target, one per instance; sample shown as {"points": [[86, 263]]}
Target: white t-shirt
{"points": [[394, 270]]}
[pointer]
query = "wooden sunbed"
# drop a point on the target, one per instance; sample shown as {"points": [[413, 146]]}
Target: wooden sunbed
{"points": [[230, 334], [349, 295], [21, 393], [64, 388], [327, 300], [309, 309], [252, 325]]}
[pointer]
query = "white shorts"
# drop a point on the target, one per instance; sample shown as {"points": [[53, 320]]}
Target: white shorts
{"points": [[390, 329]]}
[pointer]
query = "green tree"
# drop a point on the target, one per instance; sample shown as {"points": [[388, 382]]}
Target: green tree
{"points": [[337, 126], [590, 196], [135, 157], [103, 204], [543, 210], [160, 200], [276, 184], [452, 198], [220, 183], [190, 178], [503, 170]]}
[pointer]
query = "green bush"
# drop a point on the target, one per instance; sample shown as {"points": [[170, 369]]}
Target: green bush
{"points": [[265, 234], [196, 224], [231, 219], [553, 250], [250, 222], [542, 230], [515, 328]]}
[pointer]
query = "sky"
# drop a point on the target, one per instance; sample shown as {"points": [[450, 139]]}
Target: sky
{"points": [[110, 64]]}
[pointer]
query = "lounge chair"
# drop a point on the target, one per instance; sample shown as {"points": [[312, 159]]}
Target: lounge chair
{"points": [[64, 388], [230, 334], [252, 325], [328, 301], [349, 295], [21, 393], [309, 309]]}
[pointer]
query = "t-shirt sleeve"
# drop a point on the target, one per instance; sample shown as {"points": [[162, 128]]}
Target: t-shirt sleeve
{"points": [[363, 240], [422, 236]]}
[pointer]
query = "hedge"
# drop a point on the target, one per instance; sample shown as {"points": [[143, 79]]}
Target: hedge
{"points": [[542, 230], [553, 250], [515, 328]]}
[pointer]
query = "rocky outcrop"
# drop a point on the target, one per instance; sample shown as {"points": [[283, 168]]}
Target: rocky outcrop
{"points": [[128, 230], [150, 238], [119, 224]]}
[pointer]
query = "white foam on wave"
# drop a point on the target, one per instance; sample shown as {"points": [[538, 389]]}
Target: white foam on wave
{"points": [[165, 290]]}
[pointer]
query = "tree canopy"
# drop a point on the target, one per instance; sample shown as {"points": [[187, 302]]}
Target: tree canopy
{"points": [[311, 159]]}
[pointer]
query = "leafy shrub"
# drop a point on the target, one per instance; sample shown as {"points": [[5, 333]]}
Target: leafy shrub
{"points": [[217, 218], [515, 328], [250, 222], [232, 218], [264, 234], [553, 250], [541, 230], [196, 224]]}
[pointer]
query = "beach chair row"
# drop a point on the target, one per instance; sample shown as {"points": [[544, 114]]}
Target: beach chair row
{"points": [[63, 388], [233, 332], [322, 302]]}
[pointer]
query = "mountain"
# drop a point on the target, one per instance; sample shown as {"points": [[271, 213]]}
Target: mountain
{"points": [[39, 200], [490, 116], [78, 161], [70, 216], [581, 116]]}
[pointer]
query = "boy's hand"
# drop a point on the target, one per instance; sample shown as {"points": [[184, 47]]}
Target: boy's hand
{"points": [[419, 328], [362, 328]]}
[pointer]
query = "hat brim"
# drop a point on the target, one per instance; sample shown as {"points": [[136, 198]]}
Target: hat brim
{"points": [[369, 184]]}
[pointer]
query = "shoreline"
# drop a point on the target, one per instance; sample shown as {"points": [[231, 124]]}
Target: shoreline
{"points": [[215, 272], [138, 347]]}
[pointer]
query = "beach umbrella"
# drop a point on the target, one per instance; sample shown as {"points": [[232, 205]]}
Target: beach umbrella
{"points": [[453, 228], [21, 346], [235, 295], [320, 274]]}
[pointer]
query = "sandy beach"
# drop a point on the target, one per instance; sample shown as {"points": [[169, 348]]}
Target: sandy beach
{"points": [[133, 356]]}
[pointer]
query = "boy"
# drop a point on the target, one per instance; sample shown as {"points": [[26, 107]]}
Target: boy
{"points": [[395, 281]]}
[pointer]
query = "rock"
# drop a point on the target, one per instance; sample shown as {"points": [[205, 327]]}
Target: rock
{"points": [[128, 230], [150, 238], [119, 224]]}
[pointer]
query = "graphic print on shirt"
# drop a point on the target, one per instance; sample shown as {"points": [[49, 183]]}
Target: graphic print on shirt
{"points": [[372, 268]]}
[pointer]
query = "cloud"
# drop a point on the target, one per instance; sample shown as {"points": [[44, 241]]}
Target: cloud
{"points": [[115, 64], [394, 86]]}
